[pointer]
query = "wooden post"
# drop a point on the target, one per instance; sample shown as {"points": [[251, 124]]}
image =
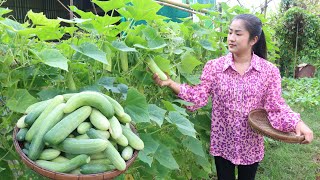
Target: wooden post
{"points": [[71, 13]]}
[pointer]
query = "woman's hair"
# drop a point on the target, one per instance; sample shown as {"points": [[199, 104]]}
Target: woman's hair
{"points": [[254, 25]]}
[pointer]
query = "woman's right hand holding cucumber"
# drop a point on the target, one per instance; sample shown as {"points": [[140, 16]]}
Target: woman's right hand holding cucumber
{"points": [[169, 82]]}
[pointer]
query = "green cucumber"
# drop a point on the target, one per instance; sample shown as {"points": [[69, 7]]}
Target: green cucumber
{"points": [[127, 153], [90, 98], [68, 124], [98, 120], [37, 124], [37, 143], [60, 159], [82, 136], [37, 105], [125, 118], [95, 168], [49, 154], [98, 134], [67, 96], [115, 157], [20, 123], [82, 146], [100, 161], [21, 134], [155, 69], [118, 109], [122, 140], [124, 60], [67, 166], [134, 140], [115, 128], [84, 127]]}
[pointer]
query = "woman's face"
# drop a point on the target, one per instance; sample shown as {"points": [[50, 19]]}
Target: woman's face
{"points": [[238, 38]]}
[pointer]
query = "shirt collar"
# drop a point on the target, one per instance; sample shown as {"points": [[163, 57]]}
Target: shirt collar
{"points": [[255, 62]]}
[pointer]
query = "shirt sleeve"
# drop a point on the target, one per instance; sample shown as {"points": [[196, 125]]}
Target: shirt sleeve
{"points": [[198, 94], [280, 114]]}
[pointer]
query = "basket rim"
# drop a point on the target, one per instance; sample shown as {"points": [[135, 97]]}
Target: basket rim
{"points": [[264, 127], [32, 165]]}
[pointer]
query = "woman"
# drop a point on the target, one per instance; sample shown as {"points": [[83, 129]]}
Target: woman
{"points": [[239, 82]]}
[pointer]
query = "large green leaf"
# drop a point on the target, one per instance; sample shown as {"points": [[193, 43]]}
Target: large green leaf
{"points": [[157, 114], [109, 5], [48, 33], [122, 46], [188, 63], [91, 50], [198, 6], [5, 170], [136, 106], [14, 25], [194, 145], [142, 10], [154, 41], [20, 100], [165, 158], [182, 123], [41, 19], [172, 107], [163, 63], [4, 11], [54, 58], [204, 162], [207, 45], [150, 147]]}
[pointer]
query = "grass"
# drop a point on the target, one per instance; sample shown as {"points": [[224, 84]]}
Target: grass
{"points": [[293, 161]]}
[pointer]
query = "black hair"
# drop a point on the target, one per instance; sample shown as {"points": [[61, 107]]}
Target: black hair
{"points": [[254, 25]]}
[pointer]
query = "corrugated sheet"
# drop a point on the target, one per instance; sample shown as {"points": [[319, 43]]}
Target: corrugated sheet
{"points": [[51, 8]]}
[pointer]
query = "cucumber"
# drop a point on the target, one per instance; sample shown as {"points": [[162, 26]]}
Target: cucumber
{"points": [[155, 69], [98, 120], [122, 140], [95, 168], [84, 127], [118, 109], [68, 124], [98, 134], [115, 128], [37, 143], [99, 155], [125, 118], [115, 157], [67, 96], [100, 161], [82, 146], [90, 98], [82, 136], [134, 140], [26, 144], [37, 124], [37, 105], [67, 166], [60, 159], [75, 171], [25, 151], [124, 60], [21, 134], [127, 153], [20, 123], [49, 154]]}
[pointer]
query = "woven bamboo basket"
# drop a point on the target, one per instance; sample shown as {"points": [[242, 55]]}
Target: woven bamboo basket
{"points": [[259, 122], [64, 176]]}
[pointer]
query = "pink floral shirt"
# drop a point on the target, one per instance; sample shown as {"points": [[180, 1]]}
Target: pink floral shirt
{"points": [[233, 97]]}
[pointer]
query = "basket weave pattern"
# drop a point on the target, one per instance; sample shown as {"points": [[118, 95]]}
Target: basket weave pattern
{"points": [[64, 176], [259, 122]]}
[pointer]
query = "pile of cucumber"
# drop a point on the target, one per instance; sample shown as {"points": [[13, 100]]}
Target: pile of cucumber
{"points": [[79, 133]]}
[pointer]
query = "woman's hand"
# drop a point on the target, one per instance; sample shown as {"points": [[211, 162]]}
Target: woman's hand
{"points": [[169, 82], [303, 129], [160, 82]]}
